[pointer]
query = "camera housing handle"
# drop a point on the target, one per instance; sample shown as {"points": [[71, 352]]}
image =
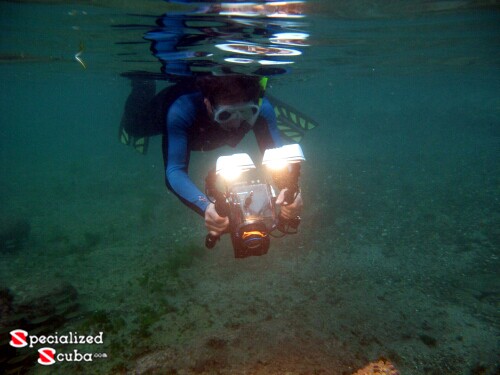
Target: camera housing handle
{"points": [[289, 181], [220, 202]]}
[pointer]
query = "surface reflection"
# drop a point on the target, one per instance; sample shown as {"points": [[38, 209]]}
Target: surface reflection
{"points": [[225, 38]]}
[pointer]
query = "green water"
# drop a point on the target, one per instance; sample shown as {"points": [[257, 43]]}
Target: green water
{"points": [[397, 255]]}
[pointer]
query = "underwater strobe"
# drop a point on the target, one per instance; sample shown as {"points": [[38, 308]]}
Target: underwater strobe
{"points": [[249, 203]]}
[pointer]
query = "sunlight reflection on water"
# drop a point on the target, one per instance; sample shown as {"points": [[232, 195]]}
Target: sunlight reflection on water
{"points": [[359, 36]]}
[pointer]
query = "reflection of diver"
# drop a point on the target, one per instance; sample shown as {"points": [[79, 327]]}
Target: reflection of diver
{"points": [[199, 115], [253, 49], [184, 42]]}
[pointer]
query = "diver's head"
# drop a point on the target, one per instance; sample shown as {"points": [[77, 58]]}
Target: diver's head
{"points": [[231, 101]]}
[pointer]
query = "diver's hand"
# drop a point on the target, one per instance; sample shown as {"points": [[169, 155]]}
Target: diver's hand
{"points": [[289, 211], [215, 224]]}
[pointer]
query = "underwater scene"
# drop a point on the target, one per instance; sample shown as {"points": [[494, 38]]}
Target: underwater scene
{"points": [[393, 266]]}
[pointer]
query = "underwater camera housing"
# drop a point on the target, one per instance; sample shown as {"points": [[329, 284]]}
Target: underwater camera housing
{"points": [[250, 203]]}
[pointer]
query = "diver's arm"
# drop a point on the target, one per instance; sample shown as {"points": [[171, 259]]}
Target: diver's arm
{"points": [[268, 136], [266, 129], [178, 122]]}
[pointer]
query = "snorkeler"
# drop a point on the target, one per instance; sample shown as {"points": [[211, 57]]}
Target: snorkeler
{"points": [[203, 114]]}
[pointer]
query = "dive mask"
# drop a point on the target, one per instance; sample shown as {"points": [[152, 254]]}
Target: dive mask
{"points": [[231, 116]]}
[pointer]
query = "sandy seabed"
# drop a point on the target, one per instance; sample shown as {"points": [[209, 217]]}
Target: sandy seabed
{"points": [[397, 255], [380, 270]]}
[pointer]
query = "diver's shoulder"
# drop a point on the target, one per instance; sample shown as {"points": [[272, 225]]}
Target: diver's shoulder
{"points": [[190, 99], [183, 110]]}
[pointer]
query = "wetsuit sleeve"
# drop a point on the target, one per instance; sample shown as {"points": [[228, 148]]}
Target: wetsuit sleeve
{"points": [[180, 118], [266, 128]]}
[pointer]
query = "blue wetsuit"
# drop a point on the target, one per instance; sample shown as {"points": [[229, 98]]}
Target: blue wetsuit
{"points": [[189, 128]]}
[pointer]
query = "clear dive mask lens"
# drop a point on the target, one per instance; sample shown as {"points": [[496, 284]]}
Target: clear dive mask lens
{"points": [[231, 115]]}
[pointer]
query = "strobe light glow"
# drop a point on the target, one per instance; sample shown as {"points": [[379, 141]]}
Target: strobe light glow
{"points": [[278, 158], [231, 167]]}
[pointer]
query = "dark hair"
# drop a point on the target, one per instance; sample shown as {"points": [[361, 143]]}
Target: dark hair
{"points": [[230, 88]]}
